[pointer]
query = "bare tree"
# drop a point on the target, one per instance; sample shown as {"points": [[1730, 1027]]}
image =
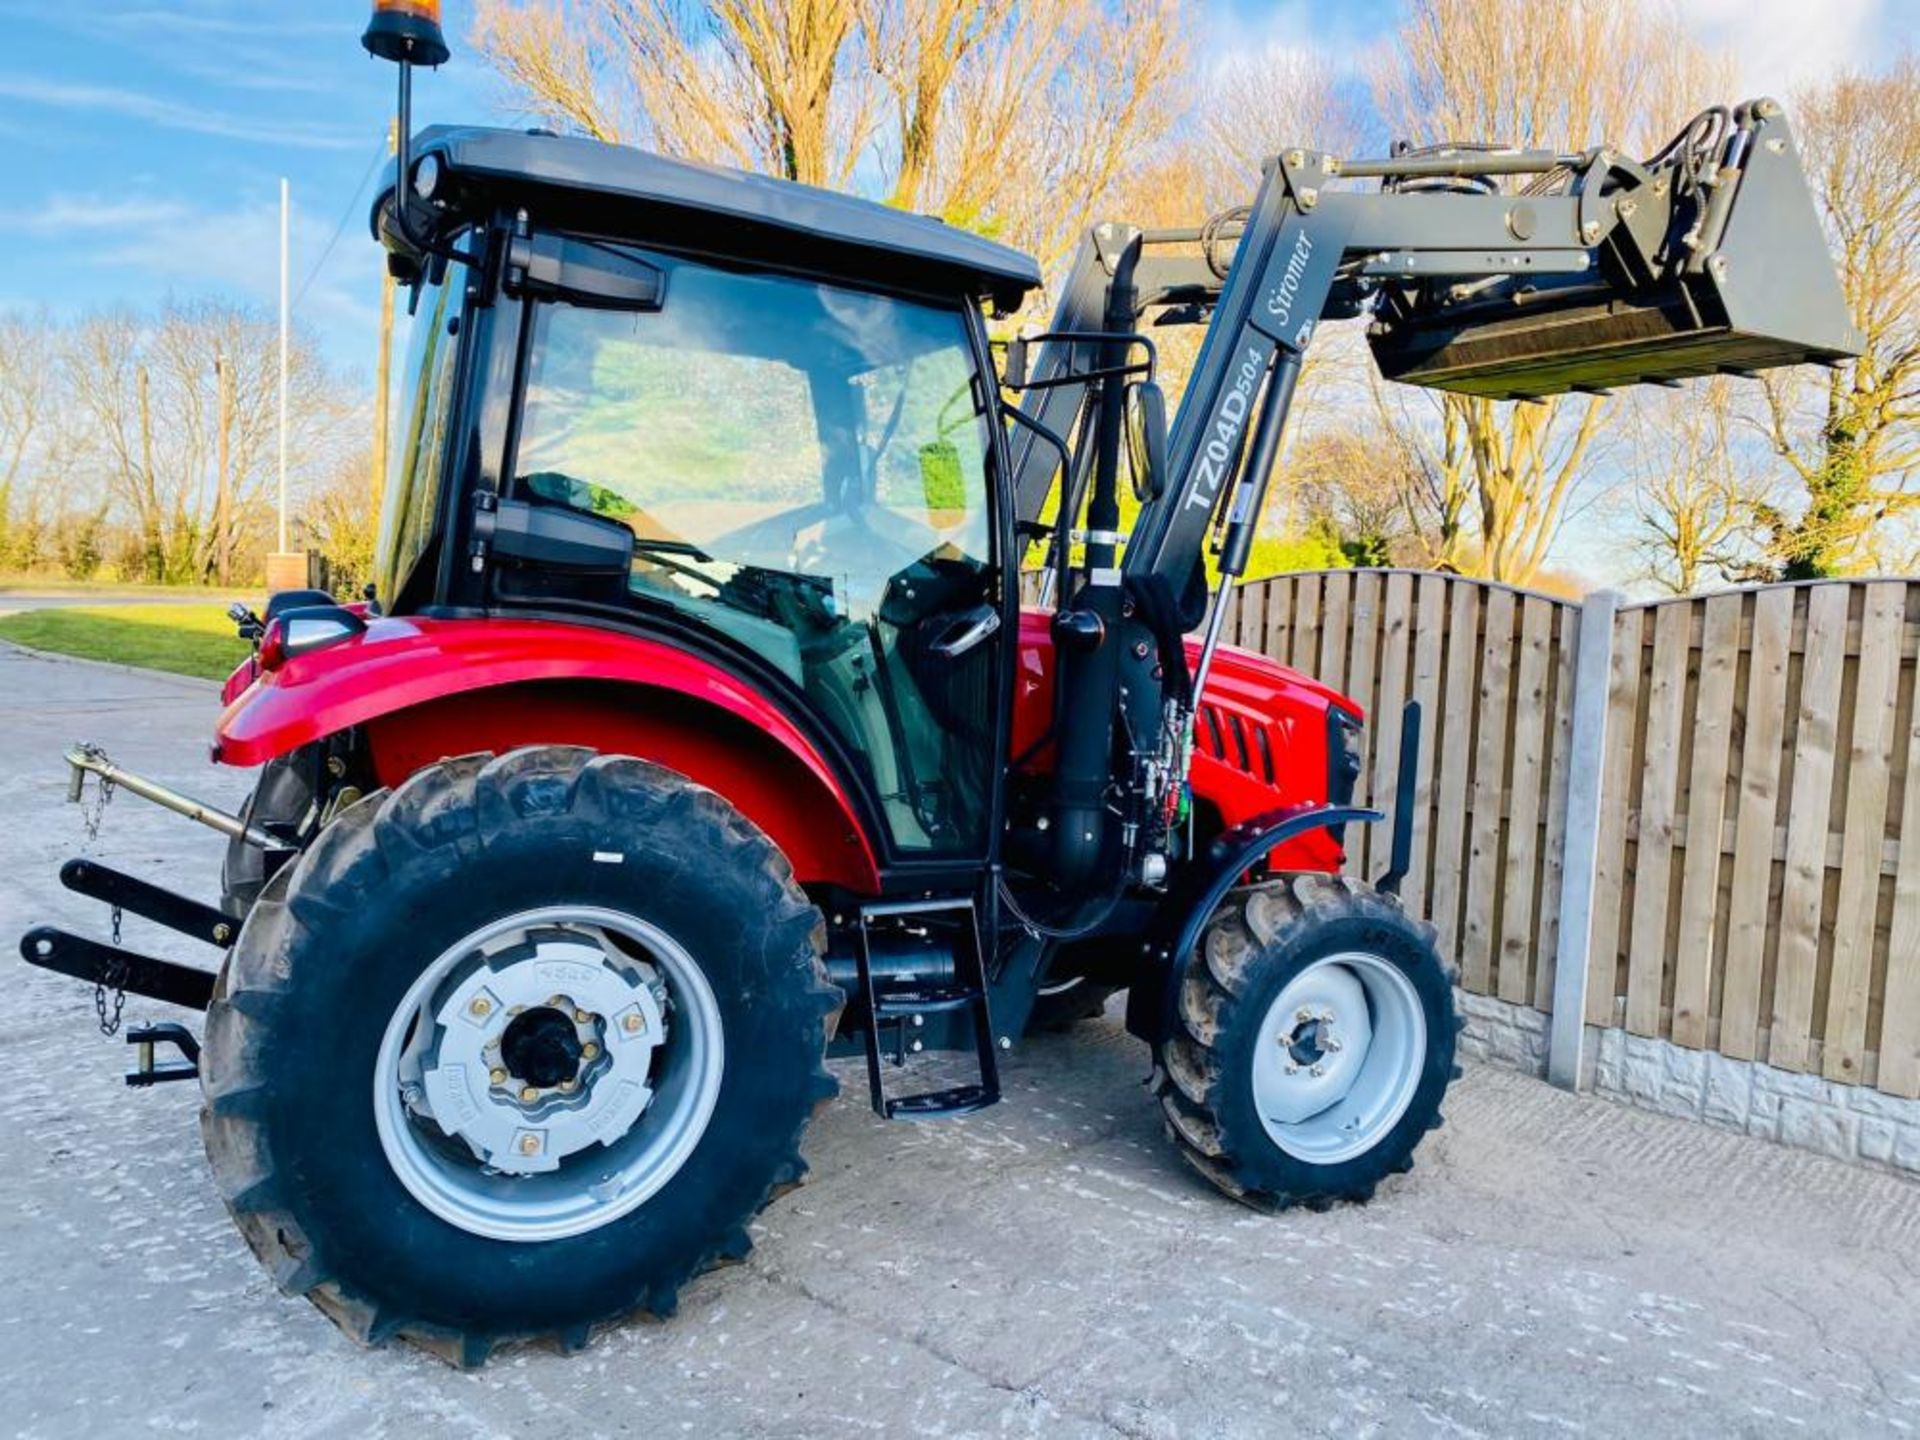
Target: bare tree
{"points": [[26, 344], [1354, 480], [1696, 497], [1008, 116], [1852, 440], [145, 390], [1253, 103], [1574, 74]]}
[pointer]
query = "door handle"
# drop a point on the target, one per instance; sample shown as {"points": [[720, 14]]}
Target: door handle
{"points": [[965, 631]]}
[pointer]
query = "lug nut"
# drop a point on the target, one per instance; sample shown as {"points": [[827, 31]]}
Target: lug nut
{"points": [[1333, 1043], [529, 1144], [581, 1017], [1292, 1069], [497, 1076], [567, 1087], [1303, 1014], [589, 1050], [528, 1094], [481, 1007], [634, 1023], [1319, 1070]]}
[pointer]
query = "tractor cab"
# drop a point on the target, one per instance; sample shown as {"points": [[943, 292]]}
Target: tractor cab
{"points": [[751, 416]]}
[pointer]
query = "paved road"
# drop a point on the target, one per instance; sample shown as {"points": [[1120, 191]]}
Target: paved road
{"points": [[1554, 1266], [11, 600]]}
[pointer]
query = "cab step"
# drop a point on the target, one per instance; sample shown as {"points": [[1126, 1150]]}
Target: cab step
{"points": [[899, 1010]]}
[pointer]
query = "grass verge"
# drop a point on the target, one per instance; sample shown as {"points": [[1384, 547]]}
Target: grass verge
{"points": [[181, 639]]}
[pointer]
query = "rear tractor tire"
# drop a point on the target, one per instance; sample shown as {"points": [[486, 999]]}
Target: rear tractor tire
{"points": [[515, 1049], [1313, 1045]]}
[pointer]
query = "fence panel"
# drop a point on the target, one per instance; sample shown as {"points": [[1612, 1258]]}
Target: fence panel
{"points": [[1758, 832], [1755, 890], [1492, 669]]}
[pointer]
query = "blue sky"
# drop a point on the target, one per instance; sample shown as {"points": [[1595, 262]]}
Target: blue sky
{"points": [[145, 139], [145, 144]]}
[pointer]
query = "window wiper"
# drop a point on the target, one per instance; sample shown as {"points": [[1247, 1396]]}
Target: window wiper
{"points": [[653, 545]]}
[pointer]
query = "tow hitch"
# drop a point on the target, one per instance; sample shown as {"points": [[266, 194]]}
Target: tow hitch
{"points": [[146, 1071], [111, 968]]}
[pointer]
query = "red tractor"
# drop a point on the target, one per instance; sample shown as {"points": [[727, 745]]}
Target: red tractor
{"points": [[697, 733]]}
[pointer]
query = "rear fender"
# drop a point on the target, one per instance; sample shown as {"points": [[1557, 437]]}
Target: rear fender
{"points": [[423, 689]]}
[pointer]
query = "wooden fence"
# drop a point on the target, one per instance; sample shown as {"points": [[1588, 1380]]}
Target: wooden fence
{"points": [[1749, 890]]}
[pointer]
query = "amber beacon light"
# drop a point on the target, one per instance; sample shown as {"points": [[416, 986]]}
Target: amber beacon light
{"points": [[407, 31]]}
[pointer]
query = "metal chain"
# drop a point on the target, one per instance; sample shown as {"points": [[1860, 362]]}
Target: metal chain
{"points": [[91, 815], [110, 988]]}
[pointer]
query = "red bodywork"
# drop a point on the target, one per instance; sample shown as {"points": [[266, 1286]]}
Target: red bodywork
{"points": [[423, 689], [1262, 736], [426, 689]]}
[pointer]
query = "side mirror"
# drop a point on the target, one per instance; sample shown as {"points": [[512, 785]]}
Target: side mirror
{"points": [[609, 277], [1013, 374], [1147, 439], [552, 537]]}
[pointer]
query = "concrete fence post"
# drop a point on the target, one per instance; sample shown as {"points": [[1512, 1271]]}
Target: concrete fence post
{"points": [[1586, 763]]}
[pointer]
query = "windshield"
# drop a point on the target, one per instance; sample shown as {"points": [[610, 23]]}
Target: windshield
{"points": [[804, 470], [419, 438]]}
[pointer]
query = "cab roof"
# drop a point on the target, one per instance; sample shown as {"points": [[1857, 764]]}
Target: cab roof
{"points": [[623, 193]]}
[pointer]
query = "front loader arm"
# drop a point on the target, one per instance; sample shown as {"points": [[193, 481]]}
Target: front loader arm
{"points": [[1598, 272], [1511, 274]]}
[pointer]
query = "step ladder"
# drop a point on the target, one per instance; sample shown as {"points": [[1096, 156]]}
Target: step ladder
{"points": [[899, 1010]]}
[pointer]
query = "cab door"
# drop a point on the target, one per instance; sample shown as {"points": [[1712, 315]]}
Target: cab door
{"points": [[805, 468]]}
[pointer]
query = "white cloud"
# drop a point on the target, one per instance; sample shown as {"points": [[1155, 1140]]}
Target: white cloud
{"points": [[135, 105], [236, 253], [1778, 45], [72, 214]]}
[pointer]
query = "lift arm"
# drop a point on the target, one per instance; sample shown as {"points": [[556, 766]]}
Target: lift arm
{"points": [[1601, 272], [1597, 271]]}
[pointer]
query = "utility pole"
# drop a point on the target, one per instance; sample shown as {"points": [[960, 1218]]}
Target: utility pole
{"points": [[150, 521], [383, 377], [285, 206], [284, 571], [223, 494]]}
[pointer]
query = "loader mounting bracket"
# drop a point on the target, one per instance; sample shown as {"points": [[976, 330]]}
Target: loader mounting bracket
{"points": [[1178, 922]]}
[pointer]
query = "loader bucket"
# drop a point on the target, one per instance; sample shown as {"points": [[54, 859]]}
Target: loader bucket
{"points": [[1764, 295]]}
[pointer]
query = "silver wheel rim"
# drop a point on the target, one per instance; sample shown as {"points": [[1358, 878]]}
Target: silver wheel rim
{"points": [[1339, 1057], [517, 1118]]}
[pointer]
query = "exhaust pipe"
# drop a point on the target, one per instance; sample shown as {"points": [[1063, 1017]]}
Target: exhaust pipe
{"points": [[91, 759]]}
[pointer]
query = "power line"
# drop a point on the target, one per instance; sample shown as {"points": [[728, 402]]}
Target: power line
{"points": [[341, 228]]}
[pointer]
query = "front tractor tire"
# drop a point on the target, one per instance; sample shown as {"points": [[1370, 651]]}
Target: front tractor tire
{"points": [[515, 1049], [1313, 1045]]}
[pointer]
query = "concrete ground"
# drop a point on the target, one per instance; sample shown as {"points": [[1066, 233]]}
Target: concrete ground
{"points": [[1554, 1265]]}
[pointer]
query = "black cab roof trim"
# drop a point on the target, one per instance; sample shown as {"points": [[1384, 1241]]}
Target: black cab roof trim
{"points": [[831, 226]]}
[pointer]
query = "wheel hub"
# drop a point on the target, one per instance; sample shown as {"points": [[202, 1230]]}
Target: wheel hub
{"points": [[541, 1049], [1339, 1056], [542, 1046], [549, 1072]]}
